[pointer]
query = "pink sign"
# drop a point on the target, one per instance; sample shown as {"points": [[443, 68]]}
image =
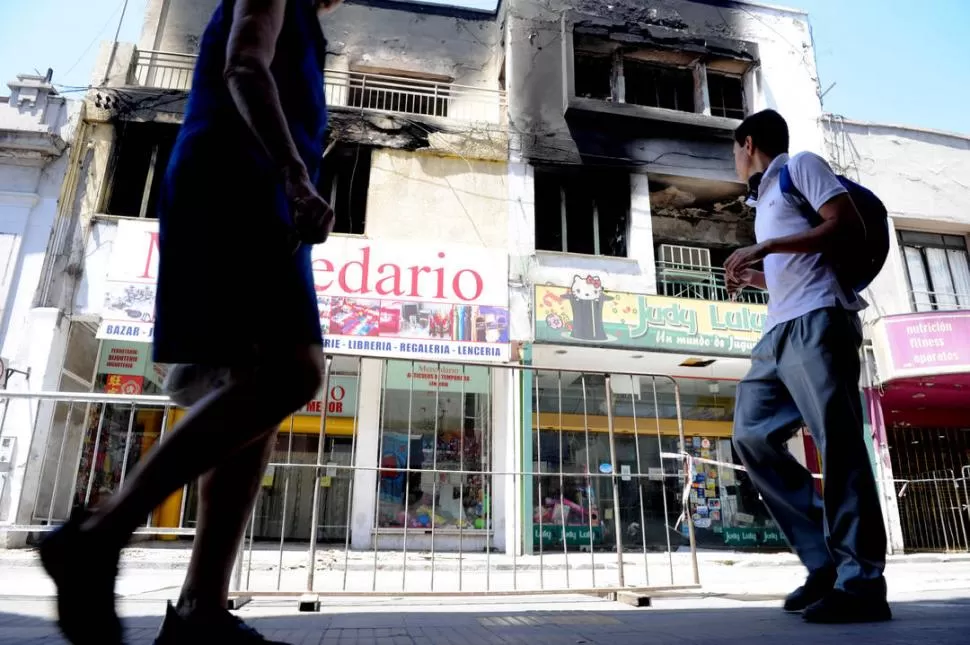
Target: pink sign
{"points": [[939, 341]]}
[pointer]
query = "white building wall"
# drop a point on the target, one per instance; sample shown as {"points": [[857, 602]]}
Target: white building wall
{"points": [[920, 175], [35, 126]]}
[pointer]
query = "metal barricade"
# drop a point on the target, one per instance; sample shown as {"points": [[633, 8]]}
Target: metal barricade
{"points": [[433, 490]]}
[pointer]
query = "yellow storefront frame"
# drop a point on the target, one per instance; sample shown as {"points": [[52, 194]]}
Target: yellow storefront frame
{"points": [[625, 425], [302, 424], [167, 515]]}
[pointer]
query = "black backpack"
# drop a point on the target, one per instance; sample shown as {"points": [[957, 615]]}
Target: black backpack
{"points": [[858, 270]]}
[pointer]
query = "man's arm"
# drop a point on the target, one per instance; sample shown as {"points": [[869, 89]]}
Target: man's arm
{"points": [[256, 26], [840, 219], [828, 197]]}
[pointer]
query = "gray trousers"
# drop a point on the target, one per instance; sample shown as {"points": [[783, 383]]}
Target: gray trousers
{"points": [[807, 370]]}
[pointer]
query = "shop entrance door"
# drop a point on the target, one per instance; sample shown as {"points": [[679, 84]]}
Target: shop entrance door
{"points": [[285, 507]]}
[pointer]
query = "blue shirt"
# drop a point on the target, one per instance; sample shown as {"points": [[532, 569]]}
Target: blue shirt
{"points": [[798, 283]]}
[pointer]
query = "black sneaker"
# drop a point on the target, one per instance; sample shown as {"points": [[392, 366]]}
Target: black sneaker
{"points": [[839, 608], [84, 571], [816, 587], [220, 627]]}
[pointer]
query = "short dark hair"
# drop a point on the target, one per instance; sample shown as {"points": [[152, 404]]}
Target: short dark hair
{"points": [[768, 131]]}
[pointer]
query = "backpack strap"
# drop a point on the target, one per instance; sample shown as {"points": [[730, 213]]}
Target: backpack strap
{"points": [[795, 196]]}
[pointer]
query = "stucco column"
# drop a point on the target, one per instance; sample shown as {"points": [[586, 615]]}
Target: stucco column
{"points": [[505, 436], [365, 459], [876, 442], [27, 423], [640, 246]]}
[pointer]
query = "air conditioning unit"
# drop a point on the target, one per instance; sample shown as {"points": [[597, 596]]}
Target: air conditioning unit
{"points": [[680, 267], [685, 257]]}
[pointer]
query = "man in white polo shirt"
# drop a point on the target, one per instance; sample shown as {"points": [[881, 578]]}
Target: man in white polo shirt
{"points": [[806, 370]]}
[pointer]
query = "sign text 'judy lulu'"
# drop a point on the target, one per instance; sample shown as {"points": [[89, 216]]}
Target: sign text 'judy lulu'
{"points": [[588, 313], [378, 298]]}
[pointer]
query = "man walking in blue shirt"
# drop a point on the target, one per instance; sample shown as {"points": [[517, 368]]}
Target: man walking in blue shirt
{"points": [[806, 369]]}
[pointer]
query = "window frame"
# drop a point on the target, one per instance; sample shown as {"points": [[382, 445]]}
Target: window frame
{"points": [[347, 194], [670, 61], [726, 111], [159, 138], [580, 174], [920, 241]]}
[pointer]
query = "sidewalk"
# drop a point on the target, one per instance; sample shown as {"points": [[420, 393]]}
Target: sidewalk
{"points": [[157, 572], [940, 619]]}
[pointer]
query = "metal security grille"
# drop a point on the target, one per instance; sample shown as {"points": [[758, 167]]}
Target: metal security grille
{"points": [[931, 467]]}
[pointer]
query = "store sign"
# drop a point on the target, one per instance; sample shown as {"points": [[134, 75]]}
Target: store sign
{"points": [[428, 377], [342, 401], [126, 358], [751, 537], [377, 298], [923, 344], [552, 534], [587, 314], [123, 358], [124, 384]]}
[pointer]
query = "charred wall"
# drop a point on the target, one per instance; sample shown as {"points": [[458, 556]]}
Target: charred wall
{"points": [[777, 43]]}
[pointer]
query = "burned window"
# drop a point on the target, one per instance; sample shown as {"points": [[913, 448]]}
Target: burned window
{"points": [[394, 94], [582, 210], [726, 94], [344, 180], [594, 76], [138, 167], [658, 86]]}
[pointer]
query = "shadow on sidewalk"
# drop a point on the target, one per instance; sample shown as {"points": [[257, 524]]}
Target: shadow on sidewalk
{"points": [[940, 622]]}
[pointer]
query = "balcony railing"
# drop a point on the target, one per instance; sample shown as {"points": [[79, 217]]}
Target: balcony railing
{"points": [[681, 281], [939, 301], [162, 70], [351, 90], [391, 94]]}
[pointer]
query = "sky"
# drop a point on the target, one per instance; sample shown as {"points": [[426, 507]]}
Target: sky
{"points": [[891, 61]]}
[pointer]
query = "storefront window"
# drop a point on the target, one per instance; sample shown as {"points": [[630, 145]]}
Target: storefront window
{"points": [[573, 464], [122, 432], [56, 495], [434, 447]]}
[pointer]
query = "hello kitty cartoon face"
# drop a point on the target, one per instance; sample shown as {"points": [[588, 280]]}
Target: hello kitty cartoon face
{"points": [[589, 288]]}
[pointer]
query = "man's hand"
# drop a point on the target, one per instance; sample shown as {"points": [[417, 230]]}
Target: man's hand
{"points": [[313, 218], [735, 282], [745, 258]]}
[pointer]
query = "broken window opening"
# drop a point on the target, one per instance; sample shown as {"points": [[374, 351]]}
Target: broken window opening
{"points": [[344, 182], [141, 157], [650, 85], [583, 211], [726, 94], [594, 76], [407, 96]]}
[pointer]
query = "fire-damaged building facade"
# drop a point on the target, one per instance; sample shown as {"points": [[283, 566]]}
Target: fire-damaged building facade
{"points": [[621, 119]]}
